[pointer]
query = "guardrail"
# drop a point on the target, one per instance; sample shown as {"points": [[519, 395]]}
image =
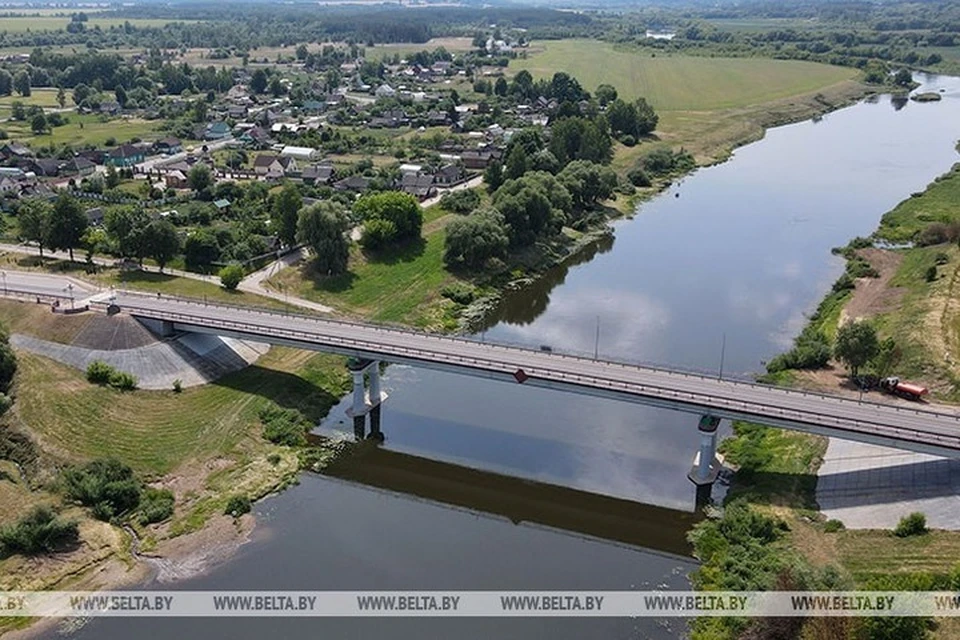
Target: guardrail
{"points": [[531, 351], [812, 417]]}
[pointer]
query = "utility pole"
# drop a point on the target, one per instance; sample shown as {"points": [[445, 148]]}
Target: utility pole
{"points": [[596, 342], [723, 350]]}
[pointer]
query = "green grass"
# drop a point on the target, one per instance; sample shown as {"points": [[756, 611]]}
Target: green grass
{"points": [[22, 24], [95, 131], [398, 286], [156, 431], [869, 554], [187, 287], [776, 466], [938, 203], [452, 44], [43, 97], [672, 83]]}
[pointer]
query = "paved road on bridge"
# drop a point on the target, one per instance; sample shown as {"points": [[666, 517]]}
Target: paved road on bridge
{"points": [[919, 429]]}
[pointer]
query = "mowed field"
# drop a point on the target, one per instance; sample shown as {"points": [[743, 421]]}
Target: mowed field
{"points": [[93, 131], [407, 48], [680, 83], [21, 24]]}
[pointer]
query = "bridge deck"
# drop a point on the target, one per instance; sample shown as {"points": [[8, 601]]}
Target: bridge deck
{"points": [[917, 429]]}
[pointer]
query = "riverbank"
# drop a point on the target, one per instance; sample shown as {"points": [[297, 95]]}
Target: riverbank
{"points": [[907, 293]]}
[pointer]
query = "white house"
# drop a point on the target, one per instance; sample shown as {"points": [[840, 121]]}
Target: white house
{"points": [[385, 91]]}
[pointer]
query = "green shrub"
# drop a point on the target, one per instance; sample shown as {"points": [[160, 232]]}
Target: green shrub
{"points": [[231, 275], [274, 459], [463, 201], [941, 258], [914, 524], [638, 177], [177, 385], [99, 372], [109, 486], [857, 267], [237, 506], [156, 505], [833, 525], [284, 426], [931, 273], [811, 350], [459, 292], [41, 530], [123, 381]]}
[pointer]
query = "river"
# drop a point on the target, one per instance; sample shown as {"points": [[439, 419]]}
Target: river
{"points": [[734, 254]]}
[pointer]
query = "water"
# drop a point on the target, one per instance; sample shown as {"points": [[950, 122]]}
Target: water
{"points": [[743, 252]]}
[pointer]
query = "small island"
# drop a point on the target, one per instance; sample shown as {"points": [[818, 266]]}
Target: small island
{"points": [[929, 96]]}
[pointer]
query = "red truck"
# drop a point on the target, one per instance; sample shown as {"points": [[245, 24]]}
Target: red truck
{"points": [[903, 389]]}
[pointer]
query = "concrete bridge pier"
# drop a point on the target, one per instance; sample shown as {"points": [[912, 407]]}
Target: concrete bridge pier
{"points": [[706, 464], [363, 402]]}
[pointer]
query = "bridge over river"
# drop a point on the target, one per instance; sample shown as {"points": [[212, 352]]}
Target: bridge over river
{"points": [[918, 429]]}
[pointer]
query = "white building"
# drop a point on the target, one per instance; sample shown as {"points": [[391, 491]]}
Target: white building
{"points": [[300, 153]]}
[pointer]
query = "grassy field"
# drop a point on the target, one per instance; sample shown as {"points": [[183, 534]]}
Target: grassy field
{"points": [[43, 97], [452, 45], [157, 431], [938, 203], [22, 24], [400, 286], [86, 129], [681, 83]]}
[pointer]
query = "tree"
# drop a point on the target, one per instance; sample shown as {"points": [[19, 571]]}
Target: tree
{"points": [[61, 97], [112, 178], [201, 249], [125, 227], [474, 240], [258, 81], [38, 124], [6, 83], [67, 224], [121, 95], [200, 177], [8, 362], [493, 175], [34, 218], [587, 182], [286, 207], [903, 78], [323, 227], [401, 209], [21, 82], [500, 86], [231, 276], [856, 345], [161, 242], [18, 111], [518, 163], [647, 118], [525, 208], [605, 94]]}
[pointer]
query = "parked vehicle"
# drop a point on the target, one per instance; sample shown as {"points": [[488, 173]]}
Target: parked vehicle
{"points": [[907, 390]]}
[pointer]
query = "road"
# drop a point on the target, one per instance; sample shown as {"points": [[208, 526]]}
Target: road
{"points": [[919, 429], [253, 283]]}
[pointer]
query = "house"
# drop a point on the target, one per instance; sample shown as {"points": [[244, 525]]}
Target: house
{"points": [[216, 131], [313, 106], [385, 91], [47, 167], [255, 138], [418, 184], [274, 166], [96, 156], [237, 112], [95, 216], [449, 174], [352, 183], [110, 107], [126, 155], [317, 174], [300, 153], [78, 166], [168, 146], [176, 179], [478, 159]]}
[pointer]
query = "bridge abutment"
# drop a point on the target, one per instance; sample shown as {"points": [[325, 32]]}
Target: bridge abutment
{"points": [[706, 464], [363, 402]]}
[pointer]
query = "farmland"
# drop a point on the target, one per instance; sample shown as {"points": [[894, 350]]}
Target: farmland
{"points": [[22, 24], [85, 129], [678, 83]]}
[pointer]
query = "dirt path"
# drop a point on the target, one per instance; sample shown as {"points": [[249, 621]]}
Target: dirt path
{"points": [[874, 296]]}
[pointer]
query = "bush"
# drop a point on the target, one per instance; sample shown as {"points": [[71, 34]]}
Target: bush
{"points": [[99, 372], [857, 267], [41, 530], [284, 426], [833, 525], [237, 506], [941, 258], [933, 233], [931, 273], [914, 524], [107, 485], [156, 505], [123, 381], [459, 292], [177, 385], [377, 234], [638, 177], [628, 140], [231, 275], [811, 350], [463, 201]]}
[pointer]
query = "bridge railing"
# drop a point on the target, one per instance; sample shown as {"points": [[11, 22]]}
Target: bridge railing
{"points": [[23, 294], [492, 364]]}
